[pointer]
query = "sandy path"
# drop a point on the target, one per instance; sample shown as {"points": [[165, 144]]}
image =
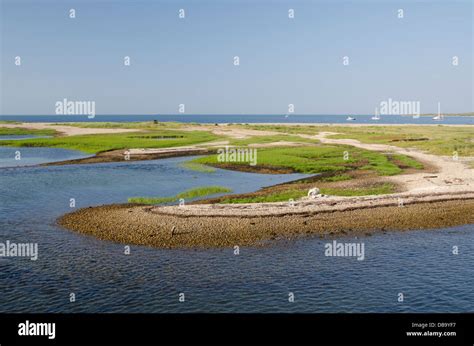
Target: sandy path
{"points": [[231, 131], [309, 206], [453, 175], [65, 129]]}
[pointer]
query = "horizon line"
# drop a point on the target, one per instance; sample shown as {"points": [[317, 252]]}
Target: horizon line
{"points": [[223, 114]]}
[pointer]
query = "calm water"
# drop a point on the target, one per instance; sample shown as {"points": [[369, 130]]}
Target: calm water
{"points": [[18, 137], [419, 264], [239, 118], [24, 156]]}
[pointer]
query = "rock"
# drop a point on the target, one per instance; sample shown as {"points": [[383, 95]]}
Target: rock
{"points": [[314, 193]]}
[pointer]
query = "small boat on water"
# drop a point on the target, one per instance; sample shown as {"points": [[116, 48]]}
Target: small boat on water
{"points": [[376, 116], [439, 117], [349, 118]]}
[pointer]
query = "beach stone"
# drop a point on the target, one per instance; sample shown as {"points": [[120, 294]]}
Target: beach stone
{"points": [[314, 193]]}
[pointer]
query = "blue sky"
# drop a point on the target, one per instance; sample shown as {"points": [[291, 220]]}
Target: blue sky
{"points": [[190, 61]]}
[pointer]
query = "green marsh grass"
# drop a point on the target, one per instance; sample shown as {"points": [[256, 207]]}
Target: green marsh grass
{"points": [[188, 194], [93, 144], [378, 189], [280, 196], [286, 195], [197, 167], [317, 159], [17, 131]]}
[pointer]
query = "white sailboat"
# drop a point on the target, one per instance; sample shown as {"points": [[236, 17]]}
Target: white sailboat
{"points": [[439, 117], [377, 115], [349, 118]]}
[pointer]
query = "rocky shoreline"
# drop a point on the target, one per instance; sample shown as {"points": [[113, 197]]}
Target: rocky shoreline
{"points": [[206, 226]]}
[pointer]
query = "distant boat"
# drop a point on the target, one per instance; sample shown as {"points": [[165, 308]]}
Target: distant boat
{"points": [[349, 118], [376, 116], [439, 117], [287, 115]]}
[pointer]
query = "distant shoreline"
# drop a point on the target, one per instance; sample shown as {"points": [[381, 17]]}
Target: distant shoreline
{"points": [[230, 114], [444, 114]]}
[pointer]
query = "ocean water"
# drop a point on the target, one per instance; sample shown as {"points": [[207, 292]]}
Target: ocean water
{"points": [[419, 264], [247, 118]]}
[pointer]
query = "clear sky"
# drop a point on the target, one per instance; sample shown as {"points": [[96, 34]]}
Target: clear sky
{"points": [[190, 61]]}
